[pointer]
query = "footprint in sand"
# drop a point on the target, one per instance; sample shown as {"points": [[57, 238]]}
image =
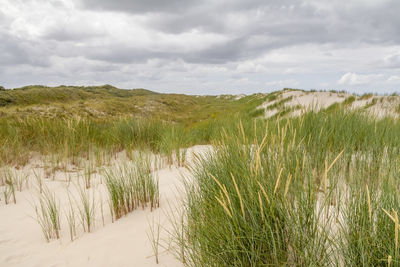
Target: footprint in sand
{"points": [[14, 258], [5, 241]]}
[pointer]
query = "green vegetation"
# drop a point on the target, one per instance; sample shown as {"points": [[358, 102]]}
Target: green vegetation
{"points": [[86, 206], [71, 219], [130, 186], [279, 104], [398, 109], [118, 119], [366, 96], [338, 106], [48, 215], [154, 237], [318, 190], [11, 181], [372, 103], [107, 101], [37, 94], [348, 101]]}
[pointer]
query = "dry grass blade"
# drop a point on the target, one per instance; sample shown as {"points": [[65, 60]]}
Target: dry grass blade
{"points": [[369, 204], [278, 181], [154, 238], [289, 179], [239, 195], [224, 207]]}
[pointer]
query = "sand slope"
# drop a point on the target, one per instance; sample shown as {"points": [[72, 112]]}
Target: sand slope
{"points": [[295, 102], [122, 243]]}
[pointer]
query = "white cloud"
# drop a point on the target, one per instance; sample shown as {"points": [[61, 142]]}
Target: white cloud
{"points": [[393, 60], [395, 79], [351, 78], [204, 47], [282, 84], [250, 66]]}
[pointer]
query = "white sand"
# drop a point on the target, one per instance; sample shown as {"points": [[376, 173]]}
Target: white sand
{"points": [[122, 243], [304, 101], [314, 100]]}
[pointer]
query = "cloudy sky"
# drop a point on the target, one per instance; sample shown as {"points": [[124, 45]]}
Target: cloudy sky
{"points": [[202, 46]]}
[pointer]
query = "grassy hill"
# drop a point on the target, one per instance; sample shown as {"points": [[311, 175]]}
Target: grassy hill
{"points": [[38, 94], [77, 120], [107, 101]]}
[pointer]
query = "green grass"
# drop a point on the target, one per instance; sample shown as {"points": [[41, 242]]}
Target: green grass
{"points": [[107, 101], [318, 190], [372, 103], [349, 100], [397, 109], [279, 104], [131, 186], [86, 206], [71, 220], [154, 237], [37, 94], [76, 121], [366, 96], [48, 215], [11, 181]]}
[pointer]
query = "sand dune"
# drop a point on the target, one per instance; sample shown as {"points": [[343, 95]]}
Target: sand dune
{"points": [[296, 102], [122, 243]]}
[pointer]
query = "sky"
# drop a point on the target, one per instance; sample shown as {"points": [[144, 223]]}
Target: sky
{"points": [[202, 46]]}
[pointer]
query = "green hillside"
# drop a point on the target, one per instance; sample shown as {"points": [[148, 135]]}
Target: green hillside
{"points": [[108, 101], [78, 120]]}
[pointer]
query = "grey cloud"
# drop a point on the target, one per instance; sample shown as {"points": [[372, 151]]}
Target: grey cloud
{"points": [[75, 49], [231, 50], [212, 17], [379, 23], [14, 51], [358, 23], [279, 25], [140, 6], [392, 61], [121, 53], [64, 33], [3, 19]]}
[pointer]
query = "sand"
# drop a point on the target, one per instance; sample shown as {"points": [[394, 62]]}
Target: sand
{"points": [[303, 101], [122, 243]]}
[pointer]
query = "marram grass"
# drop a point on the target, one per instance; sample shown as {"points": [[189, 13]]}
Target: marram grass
{"points": [[321, 189], [318, 190], [130, 186]]}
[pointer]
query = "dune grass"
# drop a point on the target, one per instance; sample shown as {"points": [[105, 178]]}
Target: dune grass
{"points": [[71, 219], [48, 215], [153, 234], [130, 186], [317, 190], [67, 122], [11, 181], [86, 203]]}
